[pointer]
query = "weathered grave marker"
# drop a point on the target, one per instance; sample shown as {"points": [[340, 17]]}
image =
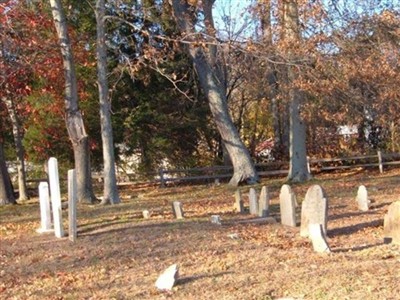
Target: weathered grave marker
{"points": [[146, 214], [72, 202], [167, 279], [317, 237], [362, 198], [314, 210], [391, 224], [287, 206], [263, 203], [55, 197], [238, 206], [177, 209], [45, 212], [216, 219], [253, 203]]}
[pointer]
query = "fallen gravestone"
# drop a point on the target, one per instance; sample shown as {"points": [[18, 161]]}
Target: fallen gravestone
{"points": [[253, 203], [317, 237], [287, 206], [166, 280], [263, 203], [314, 210], [362, 198], [239, 206], [391, 224], [177, 209]]}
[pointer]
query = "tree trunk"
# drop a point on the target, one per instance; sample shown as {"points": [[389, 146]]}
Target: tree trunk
{"points": [[110, 194], [298, 170], [205, 63], [6, 189], [74, 121], [22, 189]]}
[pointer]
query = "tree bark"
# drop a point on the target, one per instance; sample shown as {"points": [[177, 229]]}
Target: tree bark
{"points": [[6, 189], [110, 194], [20, 151], [298, 170], [74, 121], [206, 65]]}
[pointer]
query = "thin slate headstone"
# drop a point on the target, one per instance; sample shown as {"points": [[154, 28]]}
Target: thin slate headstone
{"points": [[45, 211], [318, 239], [391, 225], [72, 202], [177, 209], [314, 210], [362, 198], [253, 202], [167, 279], [287, 206], [238, 206], [263, 203], [55, 197]]}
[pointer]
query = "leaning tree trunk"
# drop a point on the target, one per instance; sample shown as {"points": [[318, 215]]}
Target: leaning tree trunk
{"points": [[206, 65], [22, 189], [298, 170], [6, 189], [110, 181], [74, 121]]}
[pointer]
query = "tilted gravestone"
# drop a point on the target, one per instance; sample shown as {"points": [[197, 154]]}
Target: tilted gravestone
{"points": [[177, 209], [167, 279], [318, 239], [314, 210], [55, 197], [263, 203], [45, 212], [287, 201], [362, 198], [253, 203], [392, 224], [238, 206]]}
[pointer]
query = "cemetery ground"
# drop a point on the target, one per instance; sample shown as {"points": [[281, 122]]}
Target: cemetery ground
{"points": [[119, 255]]}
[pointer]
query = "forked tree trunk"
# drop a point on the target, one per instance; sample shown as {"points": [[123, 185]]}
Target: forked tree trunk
{"points": [[6, 189], [19, 148], [110, 180], [74, 121], [205, 63]]}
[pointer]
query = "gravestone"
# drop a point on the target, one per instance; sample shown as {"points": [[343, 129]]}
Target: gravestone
{"points": [[216, 219], [55, 197], [45, 212], [72, 202], [177, 209], [263, 203], [253, 202], [238, 206], [317, 237], [167, 279], [391, 224], [314, 210], [362, 198], [146, 214], [287, 206]]}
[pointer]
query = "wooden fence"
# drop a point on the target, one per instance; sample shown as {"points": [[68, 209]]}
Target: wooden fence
{"points": [[379, 160]]}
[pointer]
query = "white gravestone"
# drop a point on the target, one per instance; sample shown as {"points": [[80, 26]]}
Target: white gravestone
{"points": [[317, 237], [362, 198], [287, 201], [177, 209], [166, 280], [391, 224], [146, 214], [253, 202], [314, 210], [72, 202], [45, 212], [263, 203], [55, 197]]}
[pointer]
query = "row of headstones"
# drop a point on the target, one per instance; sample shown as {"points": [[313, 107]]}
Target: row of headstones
{"points": [[50, 203]]}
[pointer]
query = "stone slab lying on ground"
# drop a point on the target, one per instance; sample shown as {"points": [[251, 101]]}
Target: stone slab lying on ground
{"points": [[392, 224], [166, 280]]}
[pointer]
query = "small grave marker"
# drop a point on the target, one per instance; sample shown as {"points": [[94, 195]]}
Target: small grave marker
{"points": [[238, 206], [263, 203], [167, 279], [146, 214], [253, 203], [177, 209], [287, 206], [317, 237], [362, 198], [55, 197], [45, 212], [392, 224], [314, 210], [216, 219]]}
